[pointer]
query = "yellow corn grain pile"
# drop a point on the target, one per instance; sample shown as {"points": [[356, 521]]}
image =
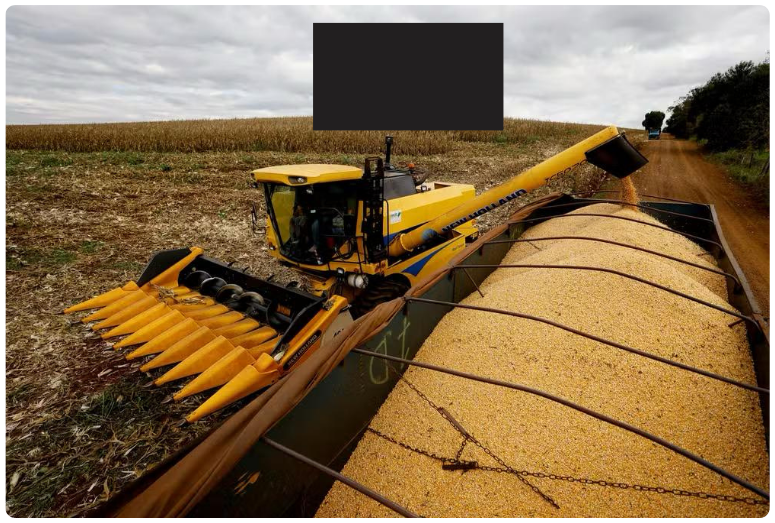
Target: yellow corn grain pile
{"points": [[720, 422]]}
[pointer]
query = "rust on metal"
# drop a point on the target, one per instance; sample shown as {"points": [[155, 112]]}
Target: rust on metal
{"points": [[623, 275], [621, 244], [628, 204], [363, 489], [592, 337], [663, 227]]}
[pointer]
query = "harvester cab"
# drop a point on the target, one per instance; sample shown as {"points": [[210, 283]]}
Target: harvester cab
{"points": [[361, 235], [334, 223]]}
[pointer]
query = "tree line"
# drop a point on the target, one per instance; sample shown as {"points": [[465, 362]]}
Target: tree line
{"points": [[731, 111]]}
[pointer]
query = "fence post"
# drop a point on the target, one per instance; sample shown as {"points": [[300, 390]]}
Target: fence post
{"points": [[766, 168]]}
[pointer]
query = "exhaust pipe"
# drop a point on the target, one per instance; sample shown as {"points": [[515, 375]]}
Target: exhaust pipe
{"points": [[388, 147]]}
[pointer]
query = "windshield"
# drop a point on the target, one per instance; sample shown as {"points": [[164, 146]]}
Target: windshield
{"points": [[314, 223]]}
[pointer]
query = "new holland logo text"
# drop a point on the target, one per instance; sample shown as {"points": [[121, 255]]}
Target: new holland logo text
{"points": [[304, 348], [485, 209], [564, 171]]}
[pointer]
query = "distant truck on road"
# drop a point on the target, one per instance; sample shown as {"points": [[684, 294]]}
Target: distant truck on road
{"points": [[654, 134]]}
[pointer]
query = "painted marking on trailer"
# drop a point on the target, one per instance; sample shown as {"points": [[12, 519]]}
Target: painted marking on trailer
{"points": [[380, 349], [245, 481], [379, 378]]}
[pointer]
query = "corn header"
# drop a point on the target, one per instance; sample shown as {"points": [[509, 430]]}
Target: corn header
{"points": [[192, 315]]}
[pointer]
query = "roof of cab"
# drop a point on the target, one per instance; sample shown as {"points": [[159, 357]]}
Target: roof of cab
{"points": [[307, 174]]}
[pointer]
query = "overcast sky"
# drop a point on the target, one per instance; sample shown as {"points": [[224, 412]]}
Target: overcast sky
{"points": [[606, 65]]}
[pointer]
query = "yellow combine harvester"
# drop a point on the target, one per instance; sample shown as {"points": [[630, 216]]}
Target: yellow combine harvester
{"points": [[362, 236]]}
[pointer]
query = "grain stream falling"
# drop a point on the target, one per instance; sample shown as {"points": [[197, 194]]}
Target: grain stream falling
{"points": [[629, 194], [720, 422]]}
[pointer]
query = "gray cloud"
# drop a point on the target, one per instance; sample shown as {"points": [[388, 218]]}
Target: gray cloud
{"points": [[585, 64]]}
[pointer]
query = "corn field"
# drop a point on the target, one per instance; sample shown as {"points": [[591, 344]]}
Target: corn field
{"points": [[289, 134]]}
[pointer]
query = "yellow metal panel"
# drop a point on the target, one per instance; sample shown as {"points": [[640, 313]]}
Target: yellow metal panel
{"points": [[415, 209], [311, 173]]}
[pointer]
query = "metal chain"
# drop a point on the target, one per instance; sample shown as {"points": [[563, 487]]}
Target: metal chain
{"points": [[457, 464], [637, 487], [461, 449], [469, 437], [467, 465], [410, 448]]}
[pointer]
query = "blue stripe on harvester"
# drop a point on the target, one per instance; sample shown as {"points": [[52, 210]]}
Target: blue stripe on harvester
{"points": [[417, 266]]}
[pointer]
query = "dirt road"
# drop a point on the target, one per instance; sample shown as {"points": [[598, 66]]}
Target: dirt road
{"points": [[676, 169]]}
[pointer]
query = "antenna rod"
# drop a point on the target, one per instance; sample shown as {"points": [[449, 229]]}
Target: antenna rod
{"points": [[388, 146]]}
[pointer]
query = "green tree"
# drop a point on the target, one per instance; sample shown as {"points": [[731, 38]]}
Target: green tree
{"points": [[678, 123], [653, 120], [730, 111]]}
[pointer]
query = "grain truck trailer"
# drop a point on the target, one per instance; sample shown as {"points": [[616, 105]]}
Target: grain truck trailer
{"points": [[263, 462]]}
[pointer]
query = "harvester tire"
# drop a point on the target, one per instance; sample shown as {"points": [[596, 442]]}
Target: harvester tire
{"points": [[379, 291]]}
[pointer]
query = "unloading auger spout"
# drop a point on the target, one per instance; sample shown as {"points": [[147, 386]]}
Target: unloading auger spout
{"points": [[608, 149]]}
